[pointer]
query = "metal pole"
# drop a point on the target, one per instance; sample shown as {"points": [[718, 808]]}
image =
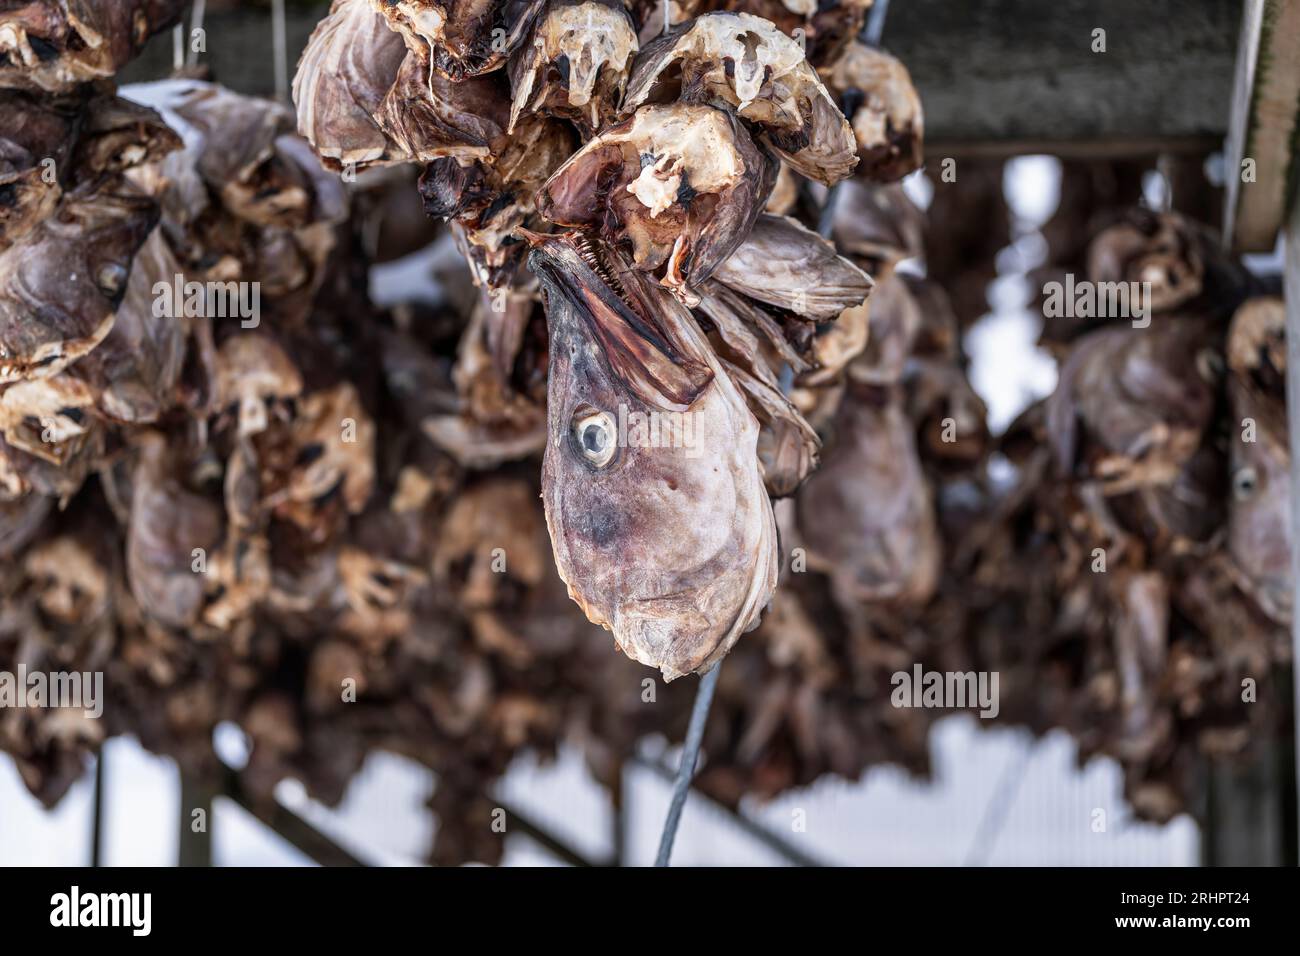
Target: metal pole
{"points": [[875, 23], [178, 47], [618, 798], [195, 846], [1291, 291], [97, 824], [998, 808], [281, 57], [196, 23], [686, 769]]}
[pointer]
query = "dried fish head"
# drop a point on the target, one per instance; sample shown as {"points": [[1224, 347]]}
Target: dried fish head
{"points": [[1132, 405], [53, 45], [135, 369], [888, 123], [116, 135], [867, 514], [431, 117], [1259, 510], [333, 470], [460, 38], [72, 584], [894, 321], [1162, 249], [347, 69], [825, 25], [576, 62], [660, 525], [254, 373], [35, 144], [61, 285], [746, 63], [173, 531], [48, 418], [680, 185]]}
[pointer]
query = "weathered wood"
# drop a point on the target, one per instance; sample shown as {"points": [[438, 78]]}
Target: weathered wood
{"points": [[1009, 72], [1291, 292], [1246, 809], [1265, 117]]}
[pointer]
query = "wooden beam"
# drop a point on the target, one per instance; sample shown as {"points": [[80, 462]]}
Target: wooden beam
{"points": [[1018, 73], [290, 827], [1291, 292], [1261, 154]]}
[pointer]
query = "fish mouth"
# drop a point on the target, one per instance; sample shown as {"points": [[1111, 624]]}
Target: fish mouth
{"points": [[629, 319]]}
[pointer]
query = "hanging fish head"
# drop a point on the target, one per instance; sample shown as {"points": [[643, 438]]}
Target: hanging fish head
{"points": [[654, 497]]}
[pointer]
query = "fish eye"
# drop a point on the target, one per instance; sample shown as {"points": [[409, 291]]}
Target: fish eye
{"points": [[111, 279], [1209, 364], [1244, 483], [596, 435]]}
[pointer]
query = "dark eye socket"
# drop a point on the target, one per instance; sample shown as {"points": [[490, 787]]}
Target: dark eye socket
{"points": [[593, 438], [1245, 482]]}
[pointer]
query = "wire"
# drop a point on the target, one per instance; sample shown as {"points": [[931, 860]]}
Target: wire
{"points": [[998, 807], [686, 769], [875, 24]]}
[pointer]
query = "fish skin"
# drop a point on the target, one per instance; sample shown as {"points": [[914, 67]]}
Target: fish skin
{"points": [[674, 549]]}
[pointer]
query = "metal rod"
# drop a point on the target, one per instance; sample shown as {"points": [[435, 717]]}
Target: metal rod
{"points": [[998, 808], [619, 799], [1291, 292], [196, 23], [750, 827], [195, 847], [875, 25], [686, 769], [278, 42], [97, 823], [178, 47]]}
